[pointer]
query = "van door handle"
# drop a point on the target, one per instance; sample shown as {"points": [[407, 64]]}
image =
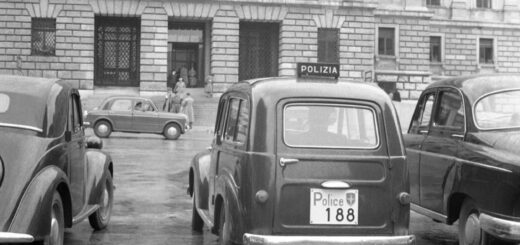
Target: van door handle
{"points": [[285, 161]]}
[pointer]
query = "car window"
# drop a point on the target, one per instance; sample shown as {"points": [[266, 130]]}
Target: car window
{"points": [[221, 117], [232, 119], [426, 112], [121, 105], [4, 103], [498, 110], [243, 122], [450, 112], [330, 126], [422, 115]]}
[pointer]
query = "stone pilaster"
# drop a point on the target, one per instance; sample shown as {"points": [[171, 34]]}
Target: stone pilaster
{"points": [[154, 48], [224, 48]]}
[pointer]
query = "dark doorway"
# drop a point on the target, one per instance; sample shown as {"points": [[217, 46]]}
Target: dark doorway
{"points": [[186, 53], [116, 59], [258, 50]]}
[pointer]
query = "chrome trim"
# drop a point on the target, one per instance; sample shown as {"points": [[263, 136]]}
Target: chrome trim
{"points": [[335, 104], [502, 228], [474, 106], [426, 212], [83, 215], [11, 125], [335, 184], [253, 239], [205, 217], [485, 166], [461, 160], [10, 237]]}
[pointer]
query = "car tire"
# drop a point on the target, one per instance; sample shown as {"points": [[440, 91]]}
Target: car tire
{"points": [[196, 221], [102, 129], [172, 131], [57, 224], [224, 227], [99, 219], [469, 225]]}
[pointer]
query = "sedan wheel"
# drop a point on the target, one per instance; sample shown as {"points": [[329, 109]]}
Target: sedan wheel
{"points": [[469, 225], [172, 131], [57, 224], [102, 129], [99, 219]]}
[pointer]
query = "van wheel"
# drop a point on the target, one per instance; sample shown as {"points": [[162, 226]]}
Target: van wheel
{"points": [[57, 224], [172, 131], [224, 226], [469, 225], [99, 219], [196, 221], [102, 129]]}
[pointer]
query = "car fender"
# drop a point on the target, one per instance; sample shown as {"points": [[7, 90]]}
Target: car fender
{"points": [[228, 189], [199, 178], [99, 165], [100, 118], [183, 129], [33, 213]]}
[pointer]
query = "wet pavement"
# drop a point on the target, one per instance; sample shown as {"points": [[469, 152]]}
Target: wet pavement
{"points": [[151, 205]]}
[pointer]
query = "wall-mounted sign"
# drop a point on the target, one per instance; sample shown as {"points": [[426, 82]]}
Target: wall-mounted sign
{"points": [[318, 70]]}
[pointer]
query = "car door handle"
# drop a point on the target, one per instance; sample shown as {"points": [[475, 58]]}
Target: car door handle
{"points": [[285, 161]]}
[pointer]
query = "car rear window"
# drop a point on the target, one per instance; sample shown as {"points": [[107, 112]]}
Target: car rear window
{"points": [[498, 110], [330, 126]]}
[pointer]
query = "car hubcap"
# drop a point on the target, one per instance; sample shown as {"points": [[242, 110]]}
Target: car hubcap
{"points": [[472, 230], [105, 203], [172, 131], [103, 128], [55, 235]]}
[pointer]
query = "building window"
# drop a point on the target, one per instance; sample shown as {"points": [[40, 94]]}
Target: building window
{"points": [[328, 45], [435, 49], [433, 2], [386, 41], [43, 36], [484, 4], [486, 51]]}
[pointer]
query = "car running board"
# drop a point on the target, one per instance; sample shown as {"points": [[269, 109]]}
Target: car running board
{"points": [[88, 210]]}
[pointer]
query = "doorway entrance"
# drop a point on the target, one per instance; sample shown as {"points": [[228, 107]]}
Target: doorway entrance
{"points": [[186, 53]]}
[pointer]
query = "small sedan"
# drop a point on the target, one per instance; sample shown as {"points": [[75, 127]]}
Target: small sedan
{"points": [[135, 114], [463, 150], [51, 175]]}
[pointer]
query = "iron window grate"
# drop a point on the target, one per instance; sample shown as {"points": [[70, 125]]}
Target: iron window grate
{"points": [[43, 40]]}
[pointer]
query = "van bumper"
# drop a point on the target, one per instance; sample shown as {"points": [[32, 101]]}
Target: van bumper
{"points": [[252, 239], [500, 227], [9, 237]]}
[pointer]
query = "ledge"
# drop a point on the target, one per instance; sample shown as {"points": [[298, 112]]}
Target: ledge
{"points": [[407, 73]]}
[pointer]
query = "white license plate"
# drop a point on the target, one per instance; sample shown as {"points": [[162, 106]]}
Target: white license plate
{"points": [[334, 207]]}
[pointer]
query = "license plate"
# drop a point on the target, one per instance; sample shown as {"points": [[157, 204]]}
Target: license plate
{"points": [[334, 207]]}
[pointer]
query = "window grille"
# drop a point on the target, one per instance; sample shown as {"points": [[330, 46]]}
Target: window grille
{"points": [[258, 50], [433, 2], [435, 49], [484, 4], [43, 40]]}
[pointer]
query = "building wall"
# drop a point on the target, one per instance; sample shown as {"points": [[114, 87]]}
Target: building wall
{"points": [[458, 22]]}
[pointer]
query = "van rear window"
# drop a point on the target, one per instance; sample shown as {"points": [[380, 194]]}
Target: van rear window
{"points": [[330, 126]]}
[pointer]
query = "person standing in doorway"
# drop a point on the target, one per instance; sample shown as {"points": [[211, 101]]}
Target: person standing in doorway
{"points": [[172, 79], [183, 73], [192, 76], [167, 100], [187, 109], [180, 86]]}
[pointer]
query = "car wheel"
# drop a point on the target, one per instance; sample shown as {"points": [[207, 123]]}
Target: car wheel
{"points": [[102, 129], [99, 219], [172, 131], [469, 225], [196, 221], [57, 224], [224, 226]]}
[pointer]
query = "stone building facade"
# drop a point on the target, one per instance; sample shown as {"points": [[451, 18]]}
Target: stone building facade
{"points": [[400, 44]]}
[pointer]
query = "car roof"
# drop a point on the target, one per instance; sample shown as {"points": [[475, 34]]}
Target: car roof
{"points": [[276, 88], [475, 86], [36, 87]]}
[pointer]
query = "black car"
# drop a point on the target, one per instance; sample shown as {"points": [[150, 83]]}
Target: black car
{"points": [[51, 175], [463, 148]]}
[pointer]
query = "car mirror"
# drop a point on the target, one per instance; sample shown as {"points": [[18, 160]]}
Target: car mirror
{"points": [[94, 142]]}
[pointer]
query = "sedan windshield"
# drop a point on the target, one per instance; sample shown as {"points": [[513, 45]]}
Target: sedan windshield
{"points": [[330, 126], [498, 110]]}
